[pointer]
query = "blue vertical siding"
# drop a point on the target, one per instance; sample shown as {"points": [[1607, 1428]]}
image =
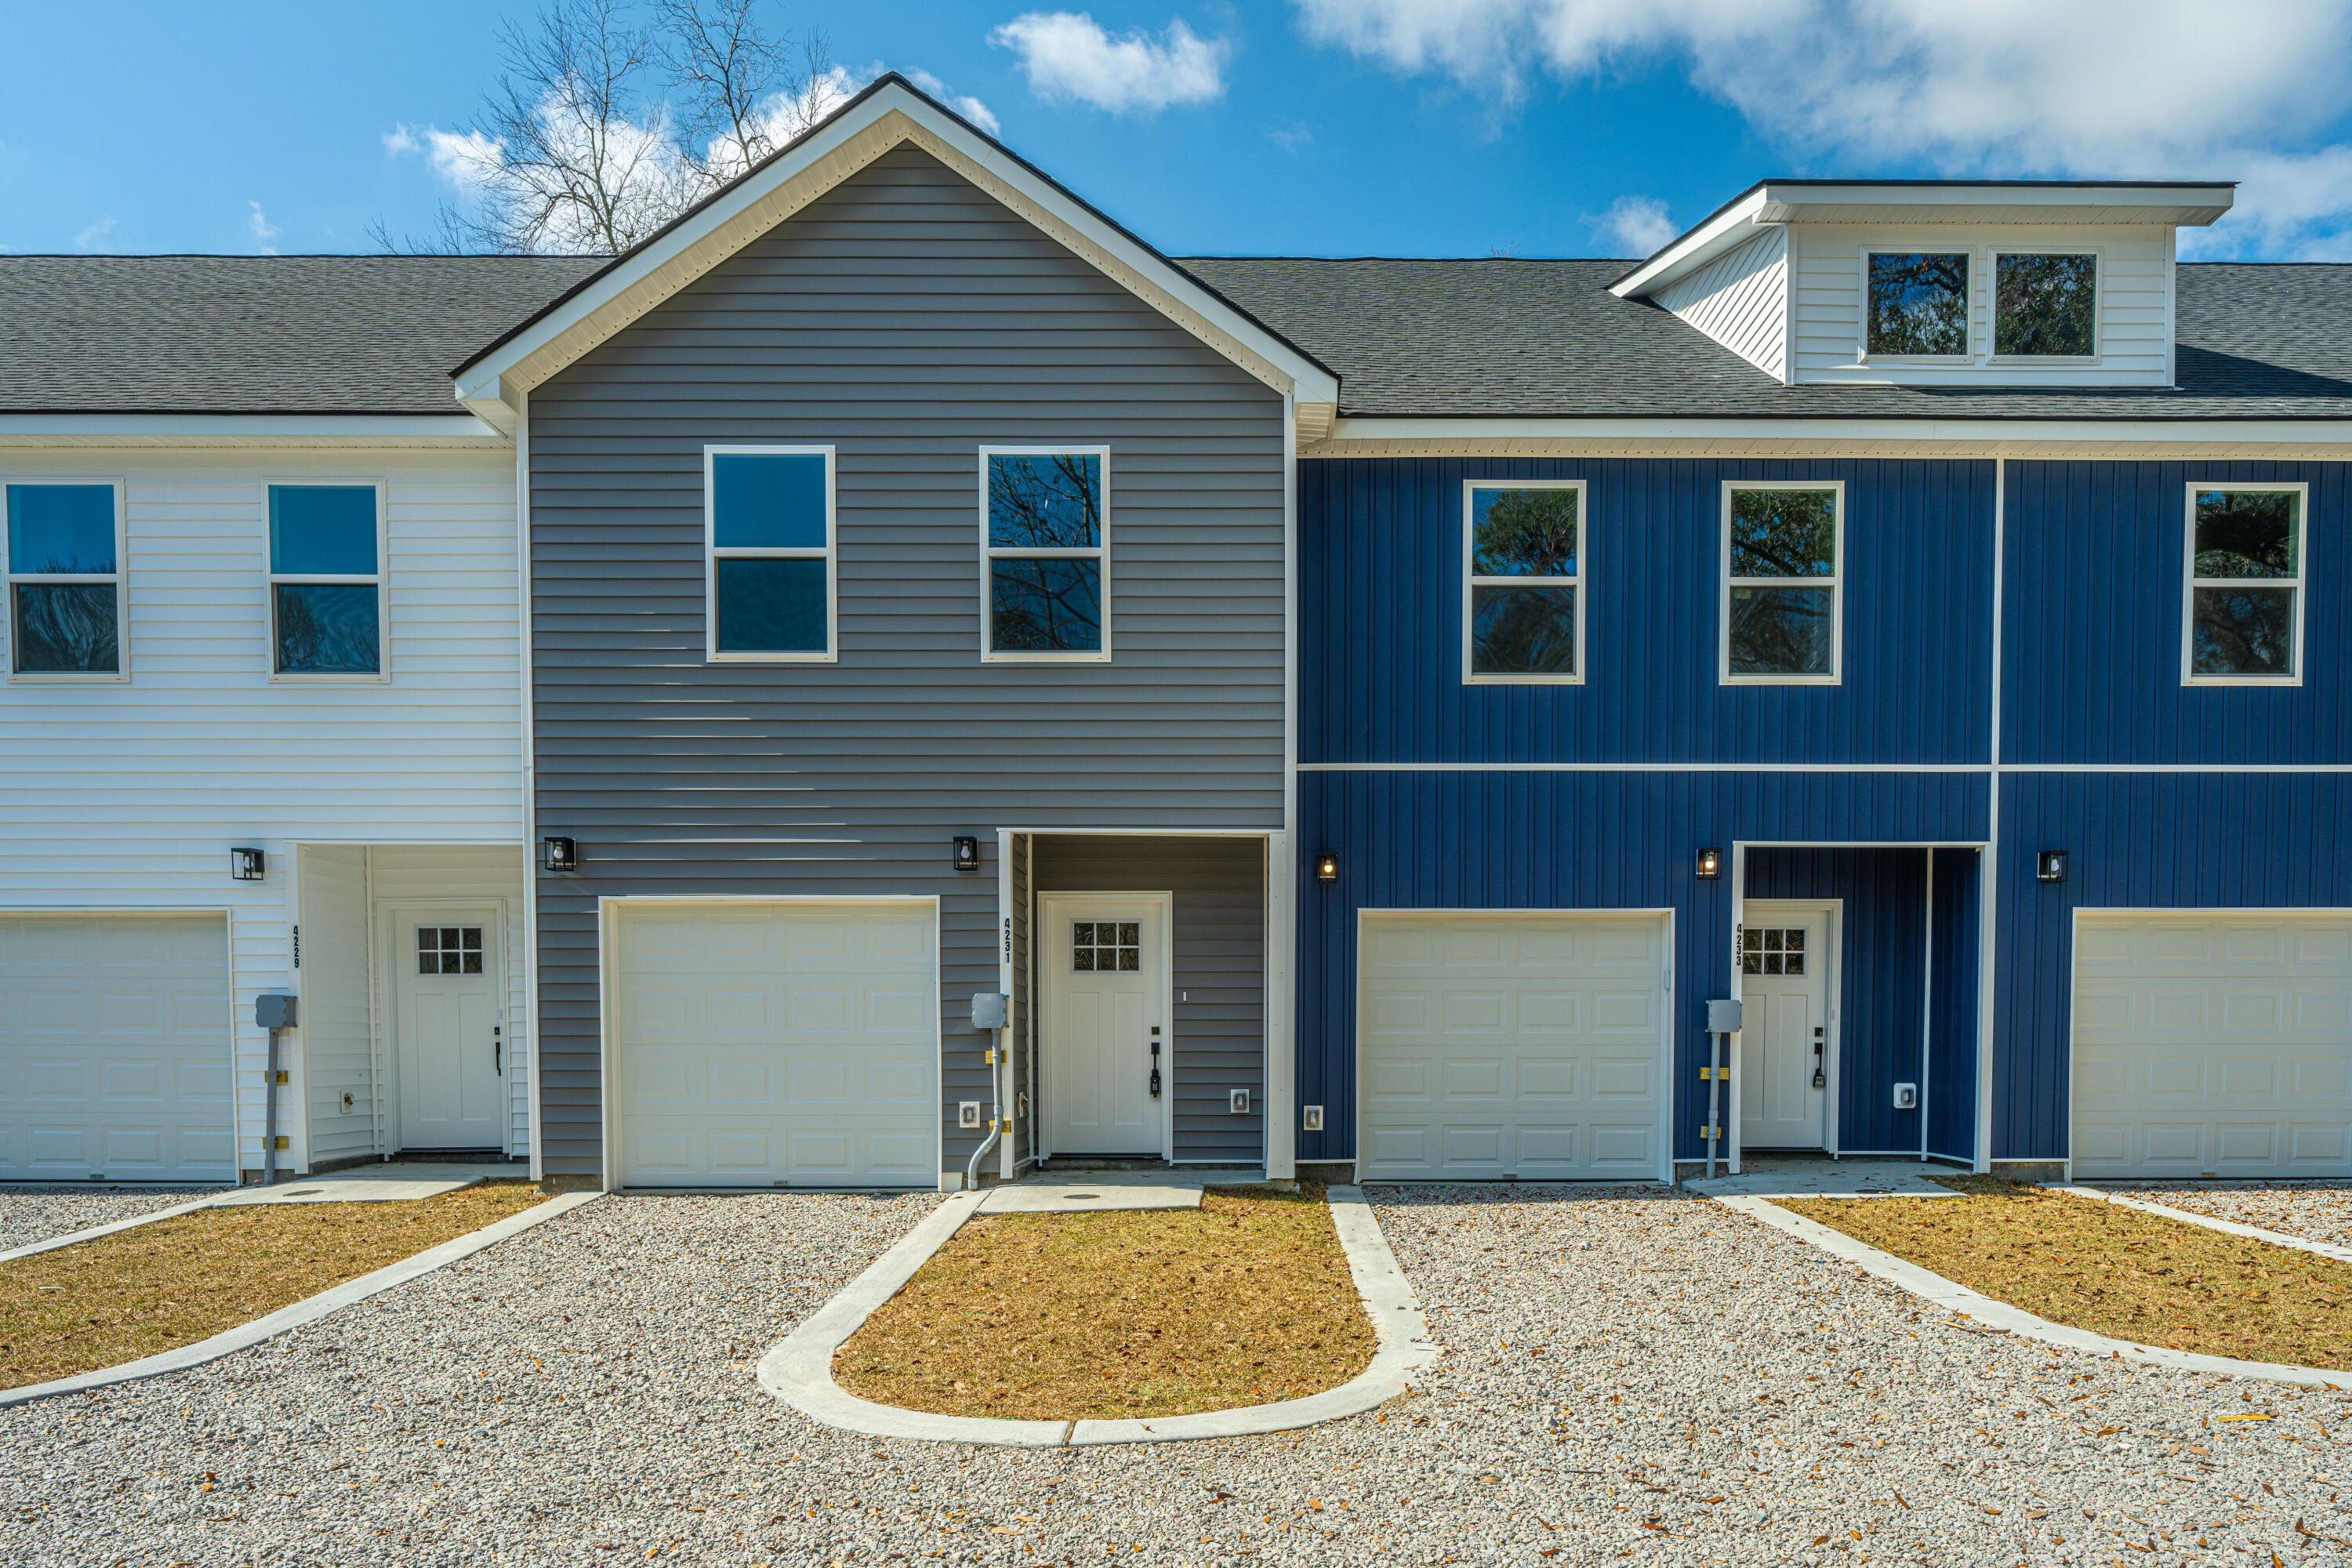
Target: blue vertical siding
{"points": [[2136, 841], [1381, 619], [1954, 995], [1562, 841], [2091, 658]]}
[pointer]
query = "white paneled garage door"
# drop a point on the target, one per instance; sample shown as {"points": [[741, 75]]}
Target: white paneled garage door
{"points": [[765, 1044], [1529, 1046], [115, 1048], [2213, 1044]]}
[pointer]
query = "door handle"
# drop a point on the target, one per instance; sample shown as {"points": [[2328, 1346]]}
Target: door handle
{"points": [[497, 1050]]}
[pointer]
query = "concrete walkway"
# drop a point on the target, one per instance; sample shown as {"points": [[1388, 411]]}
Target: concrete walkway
{"points": [[1820, 1177], [1085, 1192], [394, 1181]]}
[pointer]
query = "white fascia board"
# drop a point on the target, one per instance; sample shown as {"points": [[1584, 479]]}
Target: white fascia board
{"points": [[1727, 229], [2315, 437], [2171, 205], [355, 430], [892, 114]]}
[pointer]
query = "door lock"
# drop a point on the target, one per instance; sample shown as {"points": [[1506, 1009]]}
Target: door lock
{"points": [[1821, 1080], [1155, 1061], [497, 1050]]}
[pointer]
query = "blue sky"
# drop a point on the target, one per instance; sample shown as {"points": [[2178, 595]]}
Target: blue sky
{"points": [[1329, 127]]}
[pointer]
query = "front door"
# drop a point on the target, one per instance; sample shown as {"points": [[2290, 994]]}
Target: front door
{"points": [[1104, 1026], [451, 1053], [1784, 1029]]}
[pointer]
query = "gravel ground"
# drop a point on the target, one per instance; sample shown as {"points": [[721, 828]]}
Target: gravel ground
{"points": [[2318, 1211], [1629, 1375], [29, 1214]]}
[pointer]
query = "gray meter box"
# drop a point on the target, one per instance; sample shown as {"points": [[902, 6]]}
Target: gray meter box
{"points": [[274, 1010], [1722, 1016], [988, 1009]]}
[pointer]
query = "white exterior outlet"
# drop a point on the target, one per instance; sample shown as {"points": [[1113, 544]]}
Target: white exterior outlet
{"points": [[967, 1113], [1311, 1118], [1239, 1098], [1906, 1096]]}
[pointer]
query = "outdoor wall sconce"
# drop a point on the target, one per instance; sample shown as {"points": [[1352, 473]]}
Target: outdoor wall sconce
{"points": [[2050, 866], [967, 854], [1710, 864], [1327, 867], [560, 854], [248, 864]]}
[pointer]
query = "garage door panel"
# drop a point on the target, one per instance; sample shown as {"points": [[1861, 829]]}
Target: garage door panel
{"points": [[2213, 1044], [1520, 1045]]}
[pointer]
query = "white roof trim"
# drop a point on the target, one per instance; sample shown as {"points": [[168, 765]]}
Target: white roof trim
{"points": [[1771, 203], [889, 115], [346, 430], [1359, 436]]}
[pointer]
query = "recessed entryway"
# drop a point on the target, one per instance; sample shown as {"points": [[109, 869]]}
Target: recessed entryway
{"points": [[1788, 953], [1107, 1076], [449, 1046]]}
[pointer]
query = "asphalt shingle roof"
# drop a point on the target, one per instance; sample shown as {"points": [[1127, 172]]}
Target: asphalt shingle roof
{"points": [[1511, 339], [257, 334], [1499, 338]]}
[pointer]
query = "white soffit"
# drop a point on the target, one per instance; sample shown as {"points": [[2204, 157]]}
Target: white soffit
{"points": [[2185, 205], [232, 431], [891, 114]]}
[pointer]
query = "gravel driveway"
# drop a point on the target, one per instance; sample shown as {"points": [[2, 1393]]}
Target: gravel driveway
{"points": [[29, 1214], [2318, 1211], [1631, 1374]]}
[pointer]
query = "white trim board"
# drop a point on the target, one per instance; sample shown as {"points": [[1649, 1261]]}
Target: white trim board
{"points": [[239, 430], [2135, 439]]}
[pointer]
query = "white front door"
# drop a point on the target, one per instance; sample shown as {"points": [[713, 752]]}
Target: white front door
{"points": [[1784, 963], [1105, 1027], [451, 1049]]}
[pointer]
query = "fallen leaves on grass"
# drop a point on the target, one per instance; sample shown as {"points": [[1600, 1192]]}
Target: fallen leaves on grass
{"points": [[1244, 1300], [2113, 1270], [157, 1287]]}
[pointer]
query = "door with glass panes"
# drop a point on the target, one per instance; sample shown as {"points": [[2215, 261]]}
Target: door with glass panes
{"points": [[450, 1051], [1784, 1036]]}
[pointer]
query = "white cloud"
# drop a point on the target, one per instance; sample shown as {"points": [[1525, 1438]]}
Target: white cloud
{"points": [[1067, 55], [2123, 88], [1290, 138], [91, 239], [264, 231], [970, 107], [1636, 226]]}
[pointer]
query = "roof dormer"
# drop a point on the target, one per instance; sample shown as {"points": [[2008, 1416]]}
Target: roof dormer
{"points": [[1937, 282]]}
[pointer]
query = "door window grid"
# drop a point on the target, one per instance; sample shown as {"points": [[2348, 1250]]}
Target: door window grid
{"points": [[448, 949], [1103, 946], [1772, 950]]}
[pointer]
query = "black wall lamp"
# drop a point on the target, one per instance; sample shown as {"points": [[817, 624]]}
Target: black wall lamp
{"points": [[560, 854], [2050, 866], [248, 864], [1327, 867], [967, 854], [1710, 864]]}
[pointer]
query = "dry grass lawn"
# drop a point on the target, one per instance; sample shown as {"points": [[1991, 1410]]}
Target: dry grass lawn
{"points": [[158, 1287], [2113, 1270], [1243, 1301]]}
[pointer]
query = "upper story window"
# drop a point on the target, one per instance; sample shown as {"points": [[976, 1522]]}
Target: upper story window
{"points": [[1918, 304], [2045, 304], [1522, 570], [2243, 621], [326, 581], [1783, 560], [1046, 553], [65, 582], [768, 532]]}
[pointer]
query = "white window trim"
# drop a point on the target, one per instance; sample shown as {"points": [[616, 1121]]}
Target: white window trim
{"points": [[712, 554], [1471, 583], [1834, 582], [2191, 582], [989, 554], [2098, 304], [119, 577], [380, 579], [1861, 354]]}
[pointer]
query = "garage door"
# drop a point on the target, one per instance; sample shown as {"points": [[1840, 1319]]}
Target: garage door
{"points": [[115, 1048], [765, 1045], [2213, 1046], [1525, 1046]]}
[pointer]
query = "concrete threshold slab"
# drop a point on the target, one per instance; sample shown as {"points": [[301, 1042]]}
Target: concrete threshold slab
{"points": [[799, 1370], [1085, 1192], [398, 1182], [1824, 1178]]}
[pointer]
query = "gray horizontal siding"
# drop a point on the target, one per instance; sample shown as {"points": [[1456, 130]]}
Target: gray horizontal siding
{"points": [[1219, 948], [906, 320]]}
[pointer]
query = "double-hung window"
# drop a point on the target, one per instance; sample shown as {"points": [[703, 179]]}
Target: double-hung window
{"points": [[1783, 559], [2243, 614], [65, 582], [1915, 304], [2045, 304], [326, 582], [1045, 553], [1522, 573], [768, 532]]}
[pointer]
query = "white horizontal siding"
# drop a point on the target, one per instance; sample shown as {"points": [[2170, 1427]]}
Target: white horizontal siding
{"points": [[338, 1042], [1741, 300], [2134, 310], [467, 876], [128, 796]]}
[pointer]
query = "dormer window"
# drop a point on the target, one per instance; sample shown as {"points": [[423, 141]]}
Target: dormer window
{"points": [[1918, 304], [2045, 304]]}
